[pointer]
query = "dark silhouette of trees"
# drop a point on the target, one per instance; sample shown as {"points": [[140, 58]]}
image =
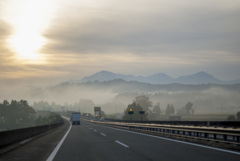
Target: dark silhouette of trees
{"points": [[16, 114], [188, 107], [47, 117], [144, 102], [156, 109], [238, 116], [231, 118], [19, 114], [170, 110], [155, 113], [136, 115]]}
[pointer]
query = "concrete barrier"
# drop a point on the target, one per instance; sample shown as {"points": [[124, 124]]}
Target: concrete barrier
{"points": [[13, 136]]}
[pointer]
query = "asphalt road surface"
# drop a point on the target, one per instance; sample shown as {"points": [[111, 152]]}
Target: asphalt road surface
{"points": [[91, 142]]}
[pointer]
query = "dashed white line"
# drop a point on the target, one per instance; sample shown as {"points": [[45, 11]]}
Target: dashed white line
{"points": [[126, 146], [95, 130], [102, 134]]}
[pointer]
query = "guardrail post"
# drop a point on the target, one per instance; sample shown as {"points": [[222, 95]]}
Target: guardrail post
{"points": [[178, 131], [214, 136], [206, 135], [208, 123], [224, 137]]}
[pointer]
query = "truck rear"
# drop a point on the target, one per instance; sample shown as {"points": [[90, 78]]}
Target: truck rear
{"points": [[75, 118]]}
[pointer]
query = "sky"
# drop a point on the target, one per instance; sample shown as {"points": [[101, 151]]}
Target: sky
{"points": [[43, 41]]}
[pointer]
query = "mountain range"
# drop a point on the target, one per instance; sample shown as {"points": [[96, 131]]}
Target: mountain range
{"points": [[159, 78]]}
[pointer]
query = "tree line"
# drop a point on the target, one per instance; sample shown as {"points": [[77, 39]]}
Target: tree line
{"points": [[143, 103], [19, 114]]}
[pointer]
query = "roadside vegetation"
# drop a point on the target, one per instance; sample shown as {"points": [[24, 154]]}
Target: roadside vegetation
{"points": [[19, 114]]}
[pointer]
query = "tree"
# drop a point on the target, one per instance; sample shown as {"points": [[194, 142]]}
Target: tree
{"points": [[144, 102], [188, 107], [155, 114], [170, 109], [6, 103], [136, 115], [16, 115], [156, 108], [231, 118], [238, 116]]}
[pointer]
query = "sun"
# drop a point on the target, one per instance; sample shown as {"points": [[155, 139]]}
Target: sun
{"points": [[28, 18], [26, 45]]}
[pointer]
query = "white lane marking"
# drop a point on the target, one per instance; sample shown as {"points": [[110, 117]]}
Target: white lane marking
{"points": [[95, 130], [90, 128], [126, 146], [50, 158], [102, 134], [178, 141]]}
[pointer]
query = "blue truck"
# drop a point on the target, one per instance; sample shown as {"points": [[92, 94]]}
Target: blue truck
{"points": [[75, 118]]}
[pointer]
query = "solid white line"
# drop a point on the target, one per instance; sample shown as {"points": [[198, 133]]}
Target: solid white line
{"points": [[126, 146], [50, 158], [102, 134], [178, 141]]}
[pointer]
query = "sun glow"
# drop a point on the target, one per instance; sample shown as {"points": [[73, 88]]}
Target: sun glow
{"points": [[29, 18], [26, 45]]}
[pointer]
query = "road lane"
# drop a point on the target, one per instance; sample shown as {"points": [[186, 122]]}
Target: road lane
{"points": [[155, 148], [83, 143], [92, 142]]}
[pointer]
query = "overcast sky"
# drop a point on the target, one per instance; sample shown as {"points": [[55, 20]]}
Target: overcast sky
{"points": [[61, 40]]}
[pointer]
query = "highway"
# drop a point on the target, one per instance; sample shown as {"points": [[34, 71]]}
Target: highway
{"points": [[92, 142]]}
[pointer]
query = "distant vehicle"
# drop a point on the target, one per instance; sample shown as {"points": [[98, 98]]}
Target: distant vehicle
{"points": [[75, 118], [102, 119]]}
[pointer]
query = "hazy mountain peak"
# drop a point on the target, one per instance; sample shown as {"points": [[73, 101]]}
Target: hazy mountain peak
{"points": [[159, 78], [202, 73], [198, 78], [104, 72], [106, 76], [161, 74]]}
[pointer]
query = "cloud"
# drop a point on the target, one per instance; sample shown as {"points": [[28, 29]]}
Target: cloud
{"points": [[145, 37], [146, 28], [6, 56], [136, 37]]}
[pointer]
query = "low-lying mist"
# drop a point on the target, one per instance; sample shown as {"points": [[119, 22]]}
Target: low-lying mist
{"points": [[114, 97]]}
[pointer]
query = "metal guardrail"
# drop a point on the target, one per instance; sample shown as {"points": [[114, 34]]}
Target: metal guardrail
{"points": [[13, 136], [195, 123], [231, 136]]}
